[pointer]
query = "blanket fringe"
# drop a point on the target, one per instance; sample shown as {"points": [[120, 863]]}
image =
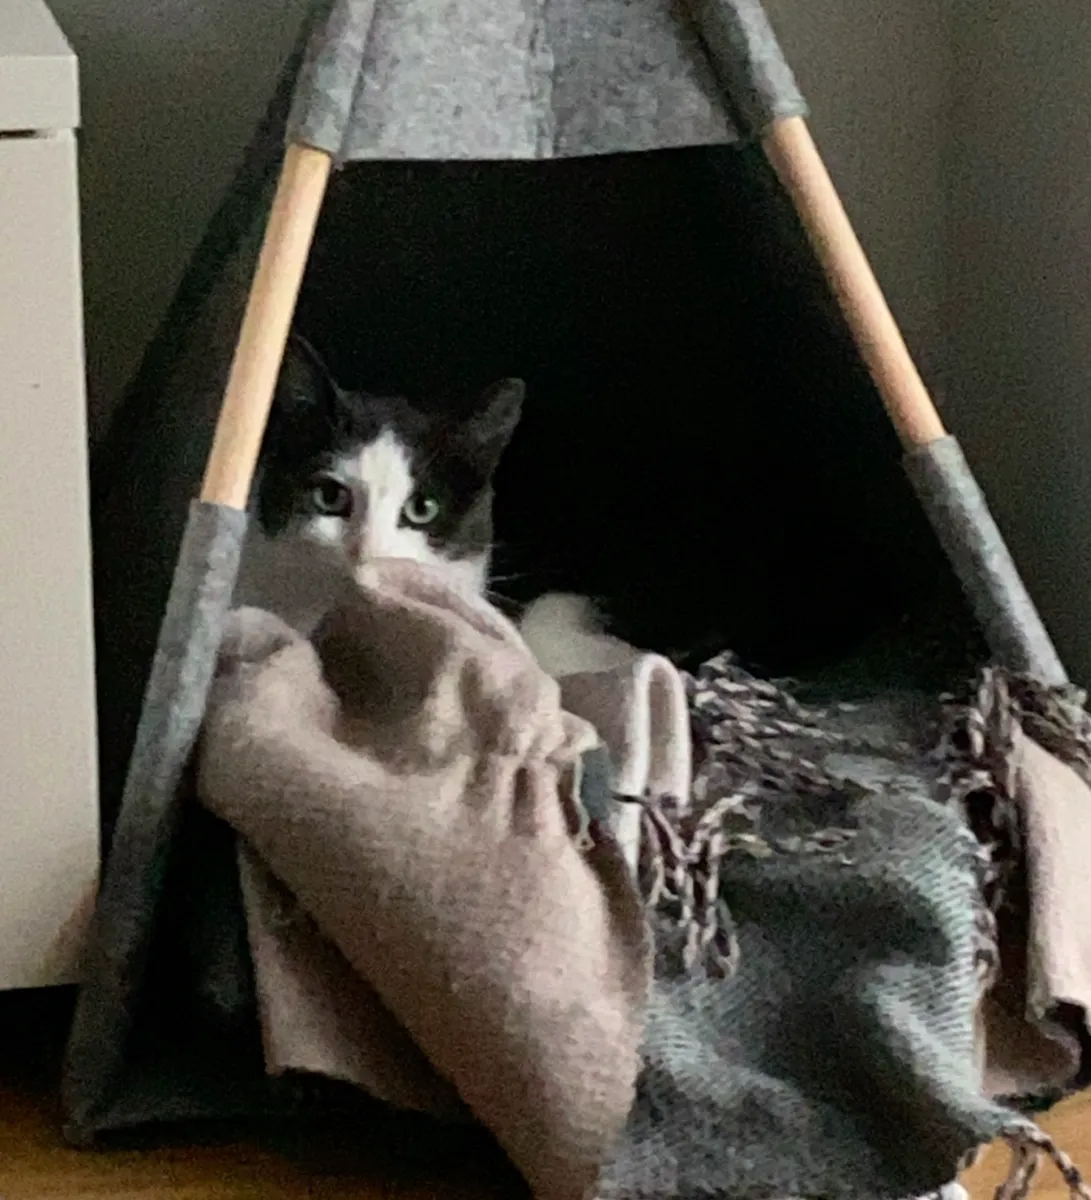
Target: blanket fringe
{"points": [[975, 755], [680, 880], [976, 751], [753, 742], [1030, 1146]]}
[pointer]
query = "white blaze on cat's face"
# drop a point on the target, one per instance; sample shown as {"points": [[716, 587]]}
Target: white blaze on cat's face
{"points": [[380, 479]]}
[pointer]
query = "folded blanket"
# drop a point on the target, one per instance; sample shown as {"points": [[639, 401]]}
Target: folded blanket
{"points": [[319, 1016], [1018, 760], [641, 711]]}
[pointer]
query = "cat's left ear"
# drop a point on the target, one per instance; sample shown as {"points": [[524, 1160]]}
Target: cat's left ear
{"points": [[305, 382], [494, 416]]}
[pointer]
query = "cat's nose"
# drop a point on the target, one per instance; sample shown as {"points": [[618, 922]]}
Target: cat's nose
{"points": [[368, 574], [367, 548], [370, 549]]}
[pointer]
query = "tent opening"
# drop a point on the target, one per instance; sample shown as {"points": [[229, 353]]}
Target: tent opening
{"points": [[701, 449]]}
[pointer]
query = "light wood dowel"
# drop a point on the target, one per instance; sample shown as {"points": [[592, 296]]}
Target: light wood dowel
{"points": [[796, 160], [265, 327]]}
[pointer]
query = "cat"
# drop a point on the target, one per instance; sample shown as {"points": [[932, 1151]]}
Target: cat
{"points": [[346, 477]]}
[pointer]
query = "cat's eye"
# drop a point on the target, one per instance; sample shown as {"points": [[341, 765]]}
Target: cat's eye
{"points": [[420, 509], [331, 498]]}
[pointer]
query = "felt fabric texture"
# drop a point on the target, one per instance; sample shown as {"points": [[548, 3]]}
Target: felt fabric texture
{"points": [[957, 508], [412, 779], [169, 725], [537, 79]]}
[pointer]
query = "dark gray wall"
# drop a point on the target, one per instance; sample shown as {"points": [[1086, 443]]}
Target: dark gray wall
{"points": [[1020, 277], [879, 90]]}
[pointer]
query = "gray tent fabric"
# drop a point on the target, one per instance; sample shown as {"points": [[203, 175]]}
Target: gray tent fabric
{"points": [[973, 543], [538, 79]]}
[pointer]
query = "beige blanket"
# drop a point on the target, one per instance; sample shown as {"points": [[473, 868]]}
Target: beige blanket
{"points": [[414, 844]]}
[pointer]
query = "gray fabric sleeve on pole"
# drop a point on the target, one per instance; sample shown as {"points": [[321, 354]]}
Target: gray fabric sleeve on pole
{"points": [[174, 705], [185, 658], [330, 75], [751, 69], [975, 547], [537, 79]]}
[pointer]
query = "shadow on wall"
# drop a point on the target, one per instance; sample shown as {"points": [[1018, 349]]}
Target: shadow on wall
{"points": [[172, 90]]}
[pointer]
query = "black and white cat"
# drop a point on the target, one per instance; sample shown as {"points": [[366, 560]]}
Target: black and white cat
{"points": [[348, 477]]}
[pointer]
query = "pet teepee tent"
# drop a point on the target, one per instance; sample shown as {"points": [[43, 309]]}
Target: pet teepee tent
{"points": [[619, 200]]}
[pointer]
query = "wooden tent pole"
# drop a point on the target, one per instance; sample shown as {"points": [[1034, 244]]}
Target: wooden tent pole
{"points": [[795, 158], [265, 326]]}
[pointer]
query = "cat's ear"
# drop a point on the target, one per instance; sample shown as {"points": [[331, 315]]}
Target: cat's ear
{"points": [[493, 417], [305, 382]]}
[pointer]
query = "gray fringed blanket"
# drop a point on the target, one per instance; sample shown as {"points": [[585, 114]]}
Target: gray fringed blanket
{"points": [[780, 1000]]}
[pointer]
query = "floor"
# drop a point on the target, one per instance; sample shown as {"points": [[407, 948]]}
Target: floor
{"points": [[35, 1164]]}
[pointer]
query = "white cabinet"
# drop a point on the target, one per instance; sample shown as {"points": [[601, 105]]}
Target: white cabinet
{"points": [[48, 774]]}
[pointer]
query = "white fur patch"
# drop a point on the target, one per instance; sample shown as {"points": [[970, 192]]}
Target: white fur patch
{"points": [[566, 637], [382, 478]]}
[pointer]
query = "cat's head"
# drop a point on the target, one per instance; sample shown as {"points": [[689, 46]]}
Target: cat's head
{"points": [[360, 477]]}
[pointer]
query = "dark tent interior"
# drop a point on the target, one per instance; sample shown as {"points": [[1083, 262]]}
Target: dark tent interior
{"points": [[701, 448]]}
